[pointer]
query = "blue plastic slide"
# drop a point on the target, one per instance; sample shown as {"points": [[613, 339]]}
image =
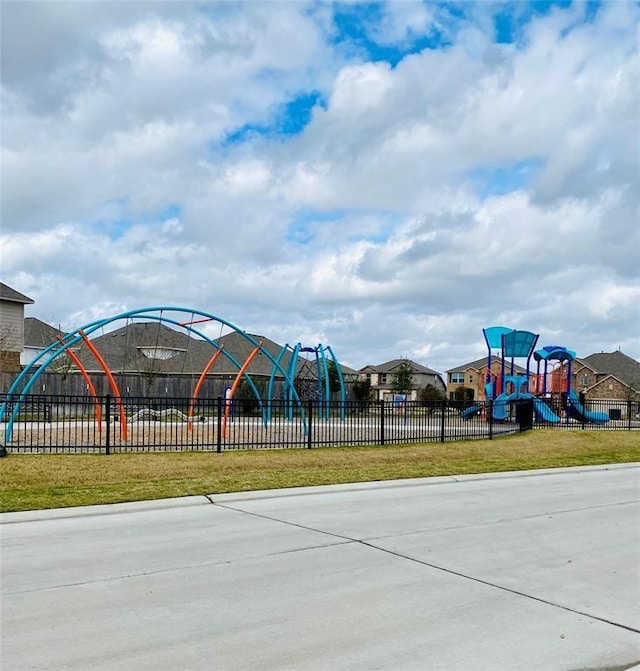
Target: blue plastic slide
{"points": [[500, 406], [470, 412], [544, 412], [578, 411]]}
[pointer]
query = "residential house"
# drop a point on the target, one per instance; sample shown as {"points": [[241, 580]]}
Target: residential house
{"points": [[611, 376], [12, 304], [151, 358], [381, 378], [38, 335], [472, 376]]}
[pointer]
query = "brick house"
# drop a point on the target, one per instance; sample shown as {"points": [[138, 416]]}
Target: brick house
{"points": [[381, 378], [472, 376], [12, 304], [611, 376]]}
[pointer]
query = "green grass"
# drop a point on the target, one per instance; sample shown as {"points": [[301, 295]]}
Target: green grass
{"points": [[32, 482]]}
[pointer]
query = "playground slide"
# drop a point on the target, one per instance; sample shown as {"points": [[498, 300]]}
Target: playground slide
{"points": [[500, 406], [544, 412], [578, 411], [470, 412]]}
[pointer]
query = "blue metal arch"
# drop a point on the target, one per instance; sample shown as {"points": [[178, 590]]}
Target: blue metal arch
{"points": [[272, 379], [322, 372], [293, 366], [341, 380], [321, 362]]}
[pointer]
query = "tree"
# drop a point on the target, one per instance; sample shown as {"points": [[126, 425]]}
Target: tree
{"points": [[334, 377], [63, 365], [245, 398], [402, 380], [430, 393], [148, 373], [463, 393], [362, 390]]}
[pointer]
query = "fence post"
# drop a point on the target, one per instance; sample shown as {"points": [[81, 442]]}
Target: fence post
{"points": [[309, 423], [443, 408], [219, 426], [381, 405], [490, 419], [107, 417], [524, 413], [629, 410]]}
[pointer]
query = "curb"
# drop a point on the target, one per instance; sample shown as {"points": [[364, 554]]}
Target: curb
{"points": [[103, 509], [208, 499], [409, 482]]}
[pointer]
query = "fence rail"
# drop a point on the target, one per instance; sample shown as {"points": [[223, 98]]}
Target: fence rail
{"points": [[81, 424]]}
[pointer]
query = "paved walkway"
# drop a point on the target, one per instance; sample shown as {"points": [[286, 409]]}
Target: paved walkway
{"points": [[528, 571]]}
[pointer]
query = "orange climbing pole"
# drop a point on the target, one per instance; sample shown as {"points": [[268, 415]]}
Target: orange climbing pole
{"points": [[236, 382], [199, 384], [112, 383], [90, 386]]}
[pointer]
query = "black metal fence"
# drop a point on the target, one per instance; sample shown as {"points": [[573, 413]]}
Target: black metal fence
{"points": [[595, 415], [67, 424]]}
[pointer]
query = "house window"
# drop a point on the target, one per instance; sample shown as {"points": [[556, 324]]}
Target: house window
{"points": [[585, 380], [383, 378], [457, 378], [470, 379]]}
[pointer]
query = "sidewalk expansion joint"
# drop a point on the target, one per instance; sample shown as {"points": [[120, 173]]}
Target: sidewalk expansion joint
{"points": [[435, 567]]}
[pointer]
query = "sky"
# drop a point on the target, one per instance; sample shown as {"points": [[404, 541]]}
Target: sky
{"points": [[385, 178]]}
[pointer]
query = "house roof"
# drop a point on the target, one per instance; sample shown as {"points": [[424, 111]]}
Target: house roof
{"points": [[478, 364], [153, 347], [144, 347], [38, 333], [13, 296], [618, 364], [390, 366]]}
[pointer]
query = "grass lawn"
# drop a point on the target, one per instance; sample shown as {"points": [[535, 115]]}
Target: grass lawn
{"points": [[31, 482]]}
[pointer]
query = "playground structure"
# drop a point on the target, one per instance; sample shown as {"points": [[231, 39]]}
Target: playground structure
{"points": [[544, 387], [557, 381], [310, 378], [284, 367]]}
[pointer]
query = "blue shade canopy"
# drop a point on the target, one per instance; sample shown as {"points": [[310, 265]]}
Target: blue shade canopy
{"points": [[518, 344], [554, 353], [493, 336]]}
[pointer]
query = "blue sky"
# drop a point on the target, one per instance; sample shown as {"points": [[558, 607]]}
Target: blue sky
{"points": [[381, 177], [354, 28], [498, 180]]}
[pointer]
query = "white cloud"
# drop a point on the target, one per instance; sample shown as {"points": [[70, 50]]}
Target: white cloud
{"points": [[370, 230]]}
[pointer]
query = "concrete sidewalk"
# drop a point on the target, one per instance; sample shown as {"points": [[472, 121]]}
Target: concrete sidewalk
{"points": [[535, 570]]}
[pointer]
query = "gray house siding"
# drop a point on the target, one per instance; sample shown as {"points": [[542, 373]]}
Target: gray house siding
{"points": [[11, 326]]}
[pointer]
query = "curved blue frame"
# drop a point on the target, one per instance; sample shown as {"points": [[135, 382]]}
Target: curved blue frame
{"points": [[72, 337], [272, 378], [290, 387], [322, 373], [341, 379]]}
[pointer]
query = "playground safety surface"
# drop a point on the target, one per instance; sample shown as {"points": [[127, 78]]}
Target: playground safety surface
{"points": [[530, 570]]}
